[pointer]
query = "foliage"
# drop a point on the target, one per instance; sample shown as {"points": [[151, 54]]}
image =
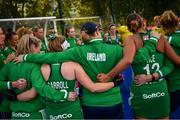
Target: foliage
{"points": [[119, 8]]}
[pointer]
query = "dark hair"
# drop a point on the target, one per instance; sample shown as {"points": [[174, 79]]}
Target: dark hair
{"points": [[110, 25], [134, 22], [3, 30], [9, 35]]}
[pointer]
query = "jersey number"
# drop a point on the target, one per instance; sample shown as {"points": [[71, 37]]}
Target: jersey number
{"points": [[154, 66], [65, 93]]}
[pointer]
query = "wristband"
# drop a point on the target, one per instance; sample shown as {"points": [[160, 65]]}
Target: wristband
{"points": [[11, 95], [24, 57], [118, 80], [153, 78], [9, 85]]}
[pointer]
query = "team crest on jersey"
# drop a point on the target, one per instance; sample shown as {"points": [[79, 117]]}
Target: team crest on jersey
{"points": [[146, 37]]}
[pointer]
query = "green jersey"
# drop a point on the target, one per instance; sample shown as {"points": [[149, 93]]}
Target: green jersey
{"points": [[68, 109], [95, 57], [145, 97], [92, 56], [30, 72], [110, 40], [174, 77], [8, 50], [72, 42], [43, 45], [4, 105], [102, 35], [2, 58]]}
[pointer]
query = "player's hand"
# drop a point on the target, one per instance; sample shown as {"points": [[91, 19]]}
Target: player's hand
{"points": [[140, 79], [102, 77], [18, 59], [10, 57], [72, 96], [19, 84]]}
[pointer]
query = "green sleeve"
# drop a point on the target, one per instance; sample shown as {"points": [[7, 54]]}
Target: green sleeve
{"points": [[144, 53], [4, 77], [50, 58], [2, 58], [174, 41], [3, 85], [45, 90], [8, 51], [166, 68]]}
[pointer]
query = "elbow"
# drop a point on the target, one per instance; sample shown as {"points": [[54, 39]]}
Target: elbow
{"points": [[33, 96], [93, 90], [129, 61], [178, 61]]}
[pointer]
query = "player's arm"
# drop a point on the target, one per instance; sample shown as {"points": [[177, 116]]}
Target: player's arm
{"points": [[50, 58], [169, 52], [45, 90], [78, 73], [127, 59], [162, 72], [144, 53], [27, 95]]}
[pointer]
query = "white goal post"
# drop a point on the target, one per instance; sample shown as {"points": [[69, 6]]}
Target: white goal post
{"points": [[75, 19], [45, 20]]}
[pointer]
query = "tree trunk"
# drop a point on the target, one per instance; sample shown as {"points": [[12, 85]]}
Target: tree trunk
{"points": [[23, 5], [4, 9]]}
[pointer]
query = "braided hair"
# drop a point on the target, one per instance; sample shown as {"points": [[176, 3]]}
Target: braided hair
{"points": [[134, 22]]}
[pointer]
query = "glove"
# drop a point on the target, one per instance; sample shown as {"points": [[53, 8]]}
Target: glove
{"points": [[11, 95], [118, 80]]}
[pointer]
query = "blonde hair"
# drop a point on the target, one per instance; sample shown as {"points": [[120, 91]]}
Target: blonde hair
{"points": [[22, 31], [169, 21], [25, 43], [55, 44]]}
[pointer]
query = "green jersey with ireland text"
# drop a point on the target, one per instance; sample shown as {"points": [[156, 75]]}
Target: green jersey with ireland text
{"points": [[95, 57]]}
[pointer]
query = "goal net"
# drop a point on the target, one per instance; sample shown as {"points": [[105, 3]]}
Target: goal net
{"points": [[62, 24], [15, 23]]}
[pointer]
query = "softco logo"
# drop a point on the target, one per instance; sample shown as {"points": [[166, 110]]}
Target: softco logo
{"points": [[153, 95], [24, 115], [63, 116]]}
